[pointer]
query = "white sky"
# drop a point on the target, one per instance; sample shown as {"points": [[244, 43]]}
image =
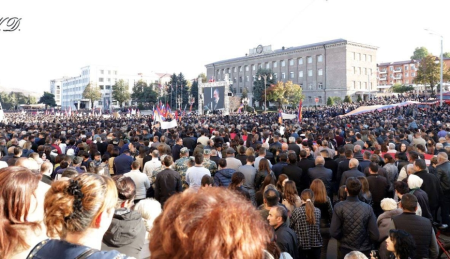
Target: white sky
{"points": [[57, 38]]}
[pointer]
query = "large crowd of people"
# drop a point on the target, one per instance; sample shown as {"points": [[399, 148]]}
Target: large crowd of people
{"points": [[373, 185]]}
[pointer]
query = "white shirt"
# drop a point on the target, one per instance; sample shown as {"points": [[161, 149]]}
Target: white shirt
{"points": [[150, 166], [194, 176], [141, 181]]}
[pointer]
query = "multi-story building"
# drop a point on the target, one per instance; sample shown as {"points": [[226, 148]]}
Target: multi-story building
{"points": [[400, 72], [327, 69], [55, 89], [71, 88]]}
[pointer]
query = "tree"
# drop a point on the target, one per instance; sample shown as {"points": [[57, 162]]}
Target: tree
{"points": [[178, 88], [92, 92], [120, 92], [258, 85], [337, 100], [359, 99], [330, 101], [420, 53], [203, 76], [244, 93], [285, 94], [428, 72], [398, 88], [194, 93], [48, 99], [347, 99], [446, 55], [142, 93]]}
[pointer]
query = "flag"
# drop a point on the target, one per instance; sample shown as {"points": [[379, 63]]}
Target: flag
{"points": [[300, 116], [176, 115], [240, 108], [280, 117]]}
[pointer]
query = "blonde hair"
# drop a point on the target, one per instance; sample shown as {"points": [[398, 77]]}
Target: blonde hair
{"points": [[150, 209]]}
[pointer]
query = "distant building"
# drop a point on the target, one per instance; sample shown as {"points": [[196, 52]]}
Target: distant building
{"points": [[333, 68], [69, 90]]}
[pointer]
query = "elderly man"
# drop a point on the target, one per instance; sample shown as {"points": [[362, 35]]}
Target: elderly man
{"points": [[353, 172], [151, 165], [322, 173], [232, 162], [293, 146], [443, 174]]}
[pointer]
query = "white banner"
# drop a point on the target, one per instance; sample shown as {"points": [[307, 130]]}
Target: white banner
{"points": [[286, 116], [168, 125]]}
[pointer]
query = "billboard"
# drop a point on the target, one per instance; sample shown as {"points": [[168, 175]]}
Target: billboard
{"points": [[214, 98]]}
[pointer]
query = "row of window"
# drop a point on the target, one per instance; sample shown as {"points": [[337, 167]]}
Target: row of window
{"points": [[399, 68], [361, 57], [283, 75], [102, 72], [359, 70], [268, 65], [75, 82], [359, 85]]}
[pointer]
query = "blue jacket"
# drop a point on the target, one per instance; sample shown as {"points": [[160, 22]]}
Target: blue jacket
{"points": [[223, 177], [122, 164]]}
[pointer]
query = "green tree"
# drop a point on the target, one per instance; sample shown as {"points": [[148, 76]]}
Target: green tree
{"points": [[347, 99], [420, 53], [143, 93], [285, 94], [337, 100], [120, 92], [194, 93], [359, 99], [447, 55], [330, 101], [244, 93], [258, 84], [178, 88], [48, 99], [398, 88], [428, 72], [92, 93], [203, 76]]}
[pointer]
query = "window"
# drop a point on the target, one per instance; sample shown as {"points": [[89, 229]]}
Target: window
{"points": [[291, 62], [108, 87], [240, 79], [102, 72], [310, 86], [115, 72], [283, 63], [109, 72], [274, 64], [102, 87], [413, 66], [240, 69], [309, 60], [364, 57], [235, 69], [100, 79], [309, 72], [365, 85], [300, 61], [406, 67], [359, 56], [109, 80], [234, 80], [354, 70], [353, 84], [320, 72], [283, 75], [319, 58], [99, 102], [391, 68], [248, 78], [353, 55], [413, 74], [300, 73], [254, 78], [370, 58], [275, 75], [406, 74], [359, 83], [267, 65], [291, 75], [370, 71], [365, 71], [218, 71], [253, 67], [359, 71], [246, 68], [320, 86]]}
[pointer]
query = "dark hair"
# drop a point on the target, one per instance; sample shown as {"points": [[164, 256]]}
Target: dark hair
{"points": [[251, 159], [409, 202], [207, 180], [401, 187], [348, 153], [168, 160], [198, 159], [413, 155], [236, 179], [264, 165], [283, 157], [309, 206], [69, 173], [267, 180], [404, 244], [126, 188], [420, 163], [292, 158], [302, 153], [389, 158], [282, 212], [223, 162], [353, 186], [373, 167], [272, 197]]}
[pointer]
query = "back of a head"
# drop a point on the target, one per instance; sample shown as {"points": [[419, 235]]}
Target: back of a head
{"points": [[126, 189], [207, 181], [69, 173], [74, 205], [244, 236], [353, 186], [348, 153], [355, 255], [198, 159], [354, 163], [421, 164], [271, 197], [320, 160], [149, 209], [409, 202], [292, 158]]}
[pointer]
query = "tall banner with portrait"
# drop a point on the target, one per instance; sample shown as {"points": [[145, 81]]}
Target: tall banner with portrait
{"points": [[214, 98]]}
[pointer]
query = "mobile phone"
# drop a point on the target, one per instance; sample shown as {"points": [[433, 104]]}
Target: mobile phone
{"points": [[374, 254]]}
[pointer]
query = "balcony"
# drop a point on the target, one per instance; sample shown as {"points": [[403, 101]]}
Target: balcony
{"points": [[383, 78], [398, 70], [397, 77], [382, 71]]}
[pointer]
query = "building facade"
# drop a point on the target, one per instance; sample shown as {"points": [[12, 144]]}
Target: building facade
{"points": [[55, 89], [71, 88], [327, 69]]}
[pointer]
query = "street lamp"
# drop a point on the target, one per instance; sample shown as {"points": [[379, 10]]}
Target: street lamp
{"points": [[442, 62], [265, 88], [179, 101], [245, 102]]}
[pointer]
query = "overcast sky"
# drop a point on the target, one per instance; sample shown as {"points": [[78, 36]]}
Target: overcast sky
{"points": [[57, 38]]}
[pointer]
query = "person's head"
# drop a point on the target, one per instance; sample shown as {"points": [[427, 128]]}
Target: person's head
{"points": [[353, 186], [420, 165], [357, 149], [414, 181], [388, 158], [413, 156], [216, 94], [237, 179], [264, 165], [354, 163], [21, 199], [46, 168], [207, 181], [320, 192], [401, 243], [244, 236], [320, 160], [348, 153], [401, 188], [388, 204], [267, 180], [126, 191], [250, 159], [442, 157], [77, 205], [223, 163], [283, 157], [135, 165], [167, 161], [373, 168], [69, 173], [262, 152], [364, 184], [271, 197], [150, 209], [324, 153], [307, 197], [28, 163], [409, 203], [355, 255], [292, 157], [198, 159], [277, 216]]}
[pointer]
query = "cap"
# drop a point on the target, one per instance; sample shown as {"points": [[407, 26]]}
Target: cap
{"points": [[184, 150], [207, 151], [230, 151], [388, 204]]}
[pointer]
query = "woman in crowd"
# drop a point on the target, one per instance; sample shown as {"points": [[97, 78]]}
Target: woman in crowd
{"points": [[175, 233], [365, 195], [401, 243], [21, 211], [127, 230], [282, 179], [259, 194], [431, 147], [262, 171], [78, 212], [237, 180], [150, 209], [305, 221], [323, 203], [390, 209], [290, 197], [391, 173]]}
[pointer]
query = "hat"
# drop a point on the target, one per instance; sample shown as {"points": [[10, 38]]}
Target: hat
{"points": [[414, 181], [70, 152], [207, 151], [184, 150], [388, 204], [230, 151]]}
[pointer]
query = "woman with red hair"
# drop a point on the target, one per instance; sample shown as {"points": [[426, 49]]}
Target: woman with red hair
{"points": [[213, 223]]}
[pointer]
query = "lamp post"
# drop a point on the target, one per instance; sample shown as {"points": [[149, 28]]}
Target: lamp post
{"points": [[442, 63], [179, 101], [265, 88], [245, 102]]}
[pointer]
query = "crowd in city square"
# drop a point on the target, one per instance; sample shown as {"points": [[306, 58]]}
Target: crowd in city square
{"points": [[241, 185]]}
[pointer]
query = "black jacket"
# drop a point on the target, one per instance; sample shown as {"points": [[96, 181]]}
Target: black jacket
{"points": [[167, 183], [333, 165], [126, 233], [189, 143], [432, 187], [350, 173], [322, 173], [305, 164], [294, 147], [443, 174], [354, 224], [176, 152], [287, 240], [278, 168], [294, 173]]}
